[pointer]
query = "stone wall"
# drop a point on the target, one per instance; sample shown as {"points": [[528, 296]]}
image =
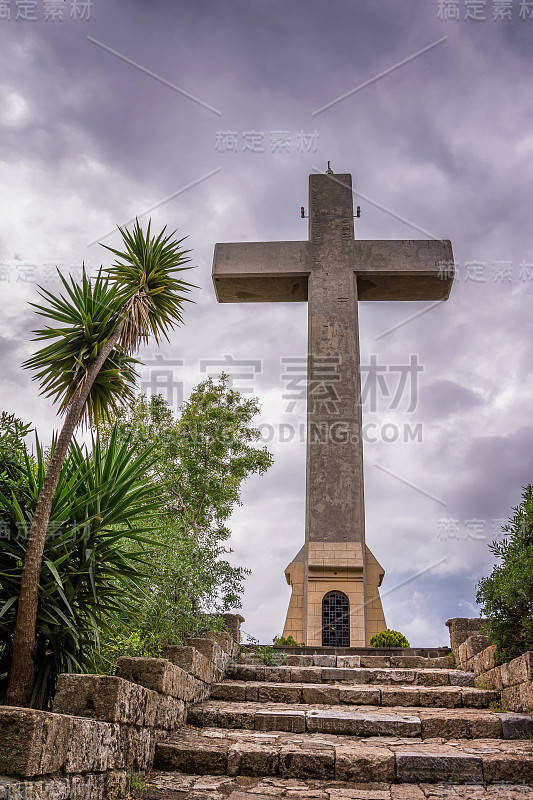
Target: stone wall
{"points": [[514, 679], [462, 628], [103, 728]]}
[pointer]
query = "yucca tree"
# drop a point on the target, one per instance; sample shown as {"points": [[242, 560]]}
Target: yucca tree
{"points": [[94, 563], [88, 369]]}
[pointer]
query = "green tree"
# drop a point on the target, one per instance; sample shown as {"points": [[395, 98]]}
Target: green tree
{"points": [[203, 458], [94, 566], [13, 456], [87, 367], [506, 595]]}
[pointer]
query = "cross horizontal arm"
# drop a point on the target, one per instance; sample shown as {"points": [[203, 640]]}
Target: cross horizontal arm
{"points": [[261, 272], [404, 269]]}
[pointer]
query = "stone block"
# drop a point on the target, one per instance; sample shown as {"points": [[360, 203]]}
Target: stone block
{"points": [[517, 726], [505, 675], [156, 674], [306, 674], [247, 672], [281, 674], [299, 661], [233, 624], [394, 676], [92, 746], [95, 787], [520, 669], [203, 716], [284, 693], [195, 690], [404, 791], [106, 698], [460, 678], [170, 713], [190, 660], [230, 691], [526, 696], [409, 662], [316, 764], [400, 696], [360, 695], [460, 725], [33, 742], [461, 628], [212, 651], [252, 693], [47, 789], [134, 748], [375, 661], [226, 642], [432, 677], [484, 661], [511, 699], [479, 698], [291, 721], [193, 756], [441, 662], [364, 764], [462, 655], [236, 718], [360, 724], [441, 697], [338, 674], [320, 694], [490, 680], [439, 767], [348, 662], [475, 644], [247, 758], [324, 661], [489, 658], [508, 768]]}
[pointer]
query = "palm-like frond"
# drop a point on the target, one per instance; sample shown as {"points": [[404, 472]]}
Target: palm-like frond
{"points": [[94, 564], [147, 274], [85, 317]]}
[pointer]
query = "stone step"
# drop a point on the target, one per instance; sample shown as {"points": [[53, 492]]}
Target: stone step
{"points": [[222, 787], [375, 695], [356, 675], [445, 724], [395, 659], [386, 760]]}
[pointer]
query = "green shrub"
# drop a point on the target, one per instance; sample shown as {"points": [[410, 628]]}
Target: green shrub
{"points": [[94, 567], [506, 595], [287, 641], [389, 638]]}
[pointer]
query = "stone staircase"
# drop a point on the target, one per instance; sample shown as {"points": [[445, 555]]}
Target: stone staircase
{"points": [[332, 727]]}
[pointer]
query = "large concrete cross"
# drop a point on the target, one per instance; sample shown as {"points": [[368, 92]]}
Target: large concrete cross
{"points": [[332, 272]]}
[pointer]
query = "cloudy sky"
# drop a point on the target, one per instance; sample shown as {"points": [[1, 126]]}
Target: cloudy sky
{"points": [[209, 117]]}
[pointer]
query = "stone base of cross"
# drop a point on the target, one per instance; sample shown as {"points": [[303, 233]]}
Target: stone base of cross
{"points": [[335, 578]]}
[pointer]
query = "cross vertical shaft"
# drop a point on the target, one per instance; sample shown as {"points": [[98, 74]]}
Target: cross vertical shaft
{"points": [[335, 504]]}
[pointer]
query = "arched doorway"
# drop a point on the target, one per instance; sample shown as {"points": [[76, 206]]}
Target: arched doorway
{"points": [[335, 620]]}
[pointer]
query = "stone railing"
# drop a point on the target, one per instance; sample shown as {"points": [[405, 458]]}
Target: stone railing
{"points": [[103, 729], [514, 679]]}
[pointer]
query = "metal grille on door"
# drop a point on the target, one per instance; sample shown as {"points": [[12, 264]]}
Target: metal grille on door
{"points": [[335, 620]]}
